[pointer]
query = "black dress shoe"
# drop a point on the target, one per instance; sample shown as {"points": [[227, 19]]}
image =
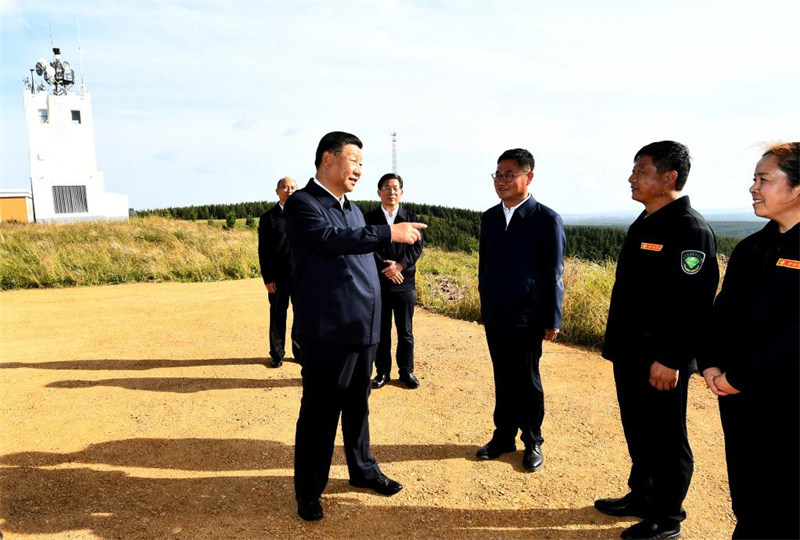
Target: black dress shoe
{"points": [[652, 530], [276, 362], [380, 380], [381, 484], [532, 459], [493, 450], [624, 506], [409, 380], [309, 509]]}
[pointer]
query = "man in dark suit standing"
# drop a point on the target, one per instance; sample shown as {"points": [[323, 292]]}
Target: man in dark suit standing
{"points": [[337, 319], [397, 266], [520, 269], [274, 258]]}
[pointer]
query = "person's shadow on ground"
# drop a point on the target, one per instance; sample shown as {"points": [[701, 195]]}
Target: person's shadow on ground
{"points": [[52, 493]]}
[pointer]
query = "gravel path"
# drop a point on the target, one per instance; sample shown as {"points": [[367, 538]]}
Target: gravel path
{"points": [[146, 411]]}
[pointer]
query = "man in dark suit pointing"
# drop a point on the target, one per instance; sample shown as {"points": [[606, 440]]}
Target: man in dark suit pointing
{"points": [[520, 269], [337, 316]]}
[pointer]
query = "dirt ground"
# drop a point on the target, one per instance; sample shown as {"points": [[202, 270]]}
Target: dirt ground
{"points": [[146, 411]]}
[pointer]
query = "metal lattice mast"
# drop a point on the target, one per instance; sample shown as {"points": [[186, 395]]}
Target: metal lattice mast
{"points": [[394, 152]]}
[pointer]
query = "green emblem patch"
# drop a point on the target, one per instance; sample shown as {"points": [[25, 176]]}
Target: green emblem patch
{"points": [[692, 261]]}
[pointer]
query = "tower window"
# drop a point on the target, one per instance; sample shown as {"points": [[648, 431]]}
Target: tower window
{"points": [[43, 115], [76, 117], [70, 199]]}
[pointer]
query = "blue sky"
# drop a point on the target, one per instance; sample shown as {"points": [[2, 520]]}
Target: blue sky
{"points": [[208, 102]]}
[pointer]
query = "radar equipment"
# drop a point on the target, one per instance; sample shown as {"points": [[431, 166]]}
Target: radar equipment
{"points": [[59, 75]]}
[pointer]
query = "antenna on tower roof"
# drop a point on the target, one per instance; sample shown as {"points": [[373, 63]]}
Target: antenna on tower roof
{"points": [[80, 54]]}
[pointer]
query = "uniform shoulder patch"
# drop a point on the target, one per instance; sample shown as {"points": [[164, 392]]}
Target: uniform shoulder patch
{"points": [[788, 263], [692, 261], [651, 247]]}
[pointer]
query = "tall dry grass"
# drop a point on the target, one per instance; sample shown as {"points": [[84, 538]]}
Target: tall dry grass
{"points": [[159, 249], [447, 283], [587, 293], [142, 249]]}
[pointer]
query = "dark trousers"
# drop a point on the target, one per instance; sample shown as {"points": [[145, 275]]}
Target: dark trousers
{"points": [[401, 304], [278, 306], [335, 380], [654, 423], [762, 450], [519, 396]]}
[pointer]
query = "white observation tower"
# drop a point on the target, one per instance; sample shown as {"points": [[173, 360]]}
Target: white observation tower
{"points": [[65, 182]]}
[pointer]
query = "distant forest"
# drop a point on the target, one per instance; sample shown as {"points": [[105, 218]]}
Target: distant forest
{"points": [[452, 229]]}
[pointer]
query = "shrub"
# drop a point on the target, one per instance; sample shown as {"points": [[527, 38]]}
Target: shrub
{"points": [[230, 221]]}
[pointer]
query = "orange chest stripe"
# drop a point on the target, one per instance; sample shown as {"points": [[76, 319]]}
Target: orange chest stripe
{"points": [[788, 263], [652, 247]]}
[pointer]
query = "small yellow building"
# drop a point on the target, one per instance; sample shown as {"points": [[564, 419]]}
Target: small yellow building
{"points": [[16, 205]]}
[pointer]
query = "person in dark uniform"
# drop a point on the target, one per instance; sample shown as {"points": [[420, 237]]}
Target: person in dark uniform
{"points": [[752, 359], [274, 258], [667, 275], [397, 266], [337, 311], [520, 268]]}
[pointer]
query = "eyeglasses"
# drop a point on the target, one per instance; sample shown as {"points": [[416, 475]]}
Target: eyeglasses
{"points": [[387, 189], [507, 177]]}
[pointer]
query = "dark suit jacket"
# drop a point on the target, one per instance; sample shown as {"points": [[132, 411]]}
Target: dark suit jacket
{"points": [[520, 268], [337, 293], [274, 255], [404, 254]]}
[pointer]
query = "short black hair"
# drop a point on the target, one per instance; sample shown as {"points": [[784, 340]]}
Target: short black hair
{"points": [[334, 142], [523, 158], [388, 176], [668, 156]]}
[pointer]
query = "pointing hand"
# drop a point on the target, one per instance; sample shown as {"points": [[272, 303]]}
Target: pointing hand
{"points": [[407, 233]]}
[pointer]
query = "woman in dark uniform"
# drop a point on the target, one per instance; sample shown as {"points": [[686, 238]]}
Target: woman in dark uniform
{"points": [[753, 356]]}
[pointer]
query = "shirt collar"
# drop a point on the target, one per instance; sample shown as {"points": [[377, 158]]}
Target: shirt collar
{"points": [[341, 199], [509, 212], [388, 215]]}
